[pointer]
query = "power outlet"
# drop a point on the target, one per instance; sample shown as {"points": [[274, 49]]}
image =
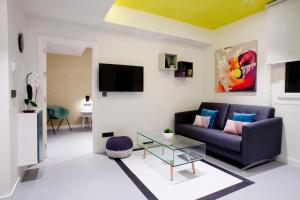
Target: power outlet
{"points": [[107, 134]]}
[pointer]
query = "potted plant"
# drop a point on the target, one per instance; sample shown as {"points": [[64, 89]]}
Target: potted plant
{"points": [[31, 82], [172, 63], [168, 135]]}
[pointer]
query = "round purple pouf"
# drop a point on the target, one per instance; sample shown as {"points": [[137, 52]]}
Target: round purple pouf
{"points": [[119, 147]]}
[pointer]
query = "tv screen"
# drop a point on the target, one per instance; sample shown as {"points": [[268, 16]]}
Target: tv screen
{"points": [[120, 78], [292, 77]]}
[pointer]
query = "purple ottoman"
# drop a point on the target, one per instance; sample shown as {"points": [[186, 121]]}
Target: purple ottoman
{"points": [[119, 147]]}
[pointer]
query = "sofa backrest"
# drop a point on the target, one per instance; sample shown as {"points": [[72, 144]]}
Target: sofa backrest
{"points": [[221, 117], [262, 112]]}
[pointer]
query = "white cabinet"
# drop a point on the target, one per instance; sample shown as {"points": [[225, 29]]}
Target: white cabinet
{"points": [[30, 138]]}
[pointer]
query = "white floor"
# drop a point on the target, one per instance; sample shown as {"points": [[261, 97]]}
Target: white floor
{"points": [[73, 172]]}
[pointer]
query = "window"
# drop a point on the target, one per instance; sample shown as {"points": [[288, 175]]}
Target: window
{"points": [[292, 77]]}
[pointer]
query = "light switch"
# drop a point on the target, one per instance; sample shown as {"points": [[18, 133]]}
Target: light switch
{"points": [[13, 66]]}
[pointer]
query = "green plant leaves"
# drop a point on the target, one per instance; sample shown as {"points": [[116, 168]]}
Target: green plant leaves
{"points": [[29, 91], [33, 103], [26, 101], [168, 130]]}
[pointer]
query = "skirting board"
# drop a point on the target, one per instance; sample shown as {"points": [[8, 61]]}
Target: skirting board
{"points": [[289, 161], [10, 196], [49, 128]]}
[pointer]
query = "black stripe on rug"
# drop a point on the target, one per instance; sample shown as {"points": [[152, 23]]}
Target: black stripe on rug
{"points": [[245, 182], [149, 195]]}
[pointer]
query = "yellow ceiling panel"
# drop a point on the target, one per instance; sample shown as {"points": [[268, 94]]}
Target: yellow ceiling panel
{"points": [[209, 14]]}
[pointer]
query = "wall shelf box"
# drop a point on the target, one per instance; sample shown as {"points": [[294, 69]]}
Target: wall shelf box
{"points": [[30, 138], [184, 69], [168, 61]]}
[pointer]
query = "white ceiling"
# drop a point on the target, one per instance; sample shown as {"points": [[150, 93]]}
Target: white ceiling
{"points": [[89, 12], [65, 49]]}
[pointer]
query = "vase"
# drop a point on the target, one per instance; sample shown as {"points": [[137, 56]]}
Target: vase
{"points": [[168, 138], [29, 109], [189, 72]]}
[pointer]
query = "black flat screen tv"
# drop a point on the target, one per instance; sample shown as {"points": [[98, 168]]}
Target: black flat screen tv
{"points": [[120, 78], [292, 77]]}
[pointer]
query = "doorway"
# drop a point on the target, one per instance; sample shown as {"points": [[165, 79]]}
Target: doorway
{"points": [[67, 97]]}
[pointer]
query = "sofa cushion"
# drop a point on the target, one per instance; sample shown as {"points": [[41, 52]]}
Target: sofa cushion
{"points": [[210, 113], [234, 127], [221, 116], [201, 121], [212, 136], [262, 112], [243, 117]]}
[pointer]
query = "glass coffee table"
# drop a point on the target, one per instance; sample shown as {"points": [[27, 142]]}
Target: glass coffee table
{"points": [[178, 151]]}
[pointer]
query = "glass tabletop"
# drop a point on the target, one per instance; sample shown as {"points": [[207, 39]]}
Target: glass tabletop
{"points": [[177, 151], [178, 141]]}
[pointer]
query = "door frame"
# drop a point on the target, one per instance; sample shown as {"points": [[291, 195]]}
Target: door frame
{"points": [[42, 70]]}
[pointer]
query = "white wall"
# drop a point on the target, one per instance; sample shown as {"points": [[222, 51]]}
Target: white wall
{"points": [[12, 21], [245, 30], [283, 19], [4, 101], [125, 113], [16, 24], [284, 46], [289, 109]]}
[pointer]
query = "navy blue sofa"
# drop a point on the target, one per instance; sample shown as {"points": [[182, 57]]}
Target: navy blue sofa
{"points": [[260, 140]]}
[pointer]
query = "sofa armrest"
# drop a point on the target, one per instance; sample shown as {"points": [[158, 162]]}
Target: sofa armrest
{"points": [[261, 140], [186, 117]]}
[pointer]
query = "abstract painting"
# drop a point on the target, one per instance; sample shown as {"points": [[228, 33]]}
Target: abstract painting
{"points": [[236, 68]]}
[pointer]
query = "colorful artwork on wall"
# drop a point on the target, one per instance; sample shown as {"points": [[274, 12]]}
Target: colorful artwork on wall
{"points": [[236, 68]]}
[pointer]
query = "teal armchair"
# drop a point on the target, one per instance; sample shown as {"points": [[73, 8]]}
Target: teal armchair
{"points": [[57, 112]]}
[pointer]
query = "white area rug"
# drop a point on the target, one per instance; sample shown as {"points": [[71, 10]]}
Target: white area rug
{"points": [[152, 176]]}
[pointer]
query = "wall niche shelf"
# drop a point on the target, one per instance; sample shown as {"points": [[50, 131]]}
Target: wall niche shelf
{"points": [[168, 61], [184, 70]]}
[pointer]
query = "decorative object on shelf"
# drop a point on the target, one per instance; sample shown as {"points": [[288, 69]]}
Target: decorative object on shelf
{"points": [[168, 135], [190, 73], [168, 61], [173, 63], [236, 68], [184, 69], [21, 42], [32, 82]]}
